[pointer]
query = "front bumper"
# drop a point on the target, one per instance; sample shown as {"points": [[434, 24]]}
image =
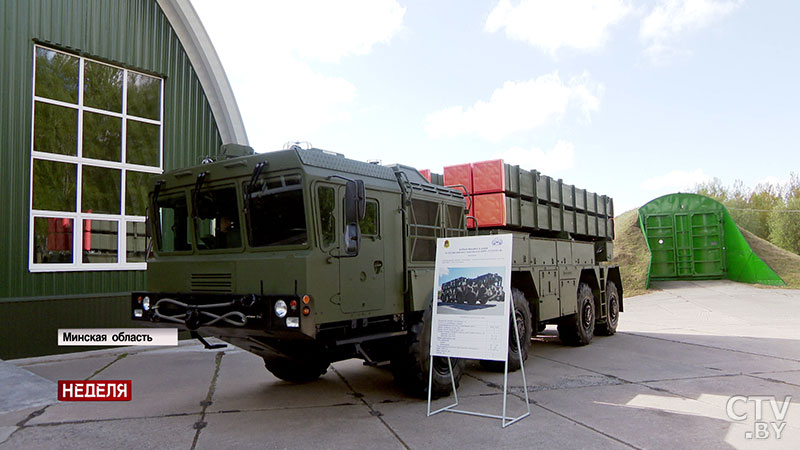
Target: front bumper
{"points": [[220, 315]]}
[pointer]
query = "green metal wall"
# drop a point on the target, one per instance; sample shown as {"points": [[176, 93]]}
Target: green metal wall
{"points": [[128, 33], [691, 236]]}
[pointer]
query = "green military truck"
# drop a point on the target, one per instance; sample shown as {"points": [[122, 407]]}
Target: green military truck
{"points": [[305, 257]]}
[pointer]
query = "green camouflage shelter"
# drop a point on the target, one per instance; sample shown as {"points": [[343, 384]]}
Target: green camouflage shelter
{"points": [[692, 237]]}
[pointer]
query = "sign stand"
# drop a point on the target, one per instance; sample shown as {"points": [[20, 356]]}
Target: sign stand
{"points": [[506, 421]]}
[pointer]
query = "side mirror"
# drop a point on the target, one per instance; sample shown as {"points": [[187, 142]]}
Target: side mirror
{"points": [[355, 201], [355, 206], [352, 239]]}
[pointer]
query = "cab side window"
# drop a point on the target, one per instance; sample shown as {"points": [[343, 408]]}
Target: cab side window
{"points": [[326, 199], [369, 225]]}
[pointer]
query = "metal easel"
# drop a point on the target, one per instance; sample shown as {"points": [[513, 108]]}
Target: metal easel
{"points": [[506, 420]]}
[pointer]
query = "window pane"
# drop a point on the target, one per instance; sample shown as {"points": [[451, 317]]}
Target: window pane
{"points": [[136, 188], [102, 136], [172, 220], [217, 222], [102, 86], [327, 218], [144, 96], [369, 226], [99, 241], [56, 75], [55, 129], [277, 216], [142, 143], [100, 191], [137, 241], [52, 240], [54, 185]]}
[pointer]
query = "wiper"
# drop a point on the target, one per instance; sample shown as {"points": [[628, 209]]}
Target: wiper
{"points": [[256, 173], [201, 177], [248, 190]]}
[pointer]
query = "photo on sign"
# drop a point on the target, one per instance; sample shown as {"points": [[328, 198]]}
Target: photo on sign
{"points": [[470, 291]]}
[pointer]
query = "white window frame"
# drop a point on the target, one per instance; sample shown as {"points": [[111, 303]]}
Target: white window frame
{"points": [[77, 216]]}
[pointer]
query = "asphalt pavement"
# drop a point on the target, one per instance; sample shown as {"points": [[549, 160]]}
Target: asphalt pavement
{"points": [[694, 365]]}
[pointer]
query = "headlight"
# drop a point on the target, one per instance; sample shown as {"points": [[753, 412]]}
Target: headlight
{"points": [[137, 313], [280, 309], [146, 303], [292, 322]]}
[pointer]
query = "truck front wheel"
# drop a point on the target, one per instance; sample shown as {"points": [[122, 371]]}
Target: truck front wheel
{"points": [[578, 329], [296, 370], [411, 364]]}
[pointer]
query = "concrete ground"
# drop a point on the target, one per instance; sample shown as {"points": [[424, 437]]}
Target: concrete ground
{"points": [[664, 381]]}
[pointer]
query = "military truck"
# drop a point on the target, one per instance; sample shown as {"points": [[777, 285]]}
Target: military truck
{"points": [[305, 257], [473, 291]]}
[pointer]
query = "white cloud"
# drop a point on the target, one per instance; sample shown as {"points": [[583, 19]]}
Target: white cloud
{"points": [[557, 159], [672, 18], [265, 48], [676, 180], [517, 106], [550, 25]]}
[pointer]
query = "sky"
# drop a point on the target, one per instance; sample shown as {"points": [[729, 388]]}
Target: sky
{"points": [[631, 99]]}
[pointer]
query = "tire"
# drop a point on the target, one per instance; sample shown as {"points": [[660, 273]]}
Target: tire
{"points": [[411, 365], [609, 326], [296, 370], [522, 320], [577, 329]]}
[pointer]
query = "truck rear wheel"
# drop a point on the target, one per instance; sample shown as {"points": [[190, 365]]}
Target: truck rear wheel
{"points": [[577, 329], [411, 365], [609, 326], [522, 320], [296, 370]]}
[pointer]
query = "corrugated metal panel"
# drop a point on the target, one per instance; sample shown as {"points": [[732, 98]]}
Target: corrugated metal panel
{"points": [[46, 316], [130, 33]]}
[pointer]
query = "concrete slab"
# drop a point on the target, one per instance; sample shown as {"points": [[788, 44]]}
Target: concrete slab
{"points": [[717, 392], [166, 432], [340, 427], [542, 429], [20, 389], [609, 410], [69, 369], [244, 384], [182, 377]]}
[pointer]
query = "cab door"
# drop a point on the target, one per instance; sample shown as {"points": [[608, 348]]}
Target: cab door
{"points": [[362, 278], [324, 267]]}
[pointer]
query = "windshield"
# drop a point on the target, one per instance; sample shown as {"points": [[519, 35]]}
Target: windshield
{"points": [[276, 212], [216, 219], [172, 221]]}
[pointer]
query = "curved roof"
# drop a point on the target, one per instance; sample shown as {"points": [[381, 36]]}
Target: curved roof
{"points": [[207, 65]]}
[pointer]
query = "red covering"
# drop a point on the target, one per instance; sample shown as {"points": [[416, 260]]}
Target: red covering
{"points": [[59, 234], [488, 176], [458, 174], [426, 173], [490, 209]]}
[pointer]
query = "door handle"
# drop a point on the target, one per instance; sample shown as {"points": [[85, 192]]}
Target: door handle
{"points": [[377, 265]]}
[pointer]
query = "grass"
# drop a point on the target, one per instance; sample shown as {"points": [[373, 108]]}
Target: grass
{"points": [[785, 263], [630, 252]]}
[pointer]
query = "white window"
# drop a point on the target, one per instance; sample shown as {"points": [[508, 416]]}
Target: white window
{"points": [[96, 139]]}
